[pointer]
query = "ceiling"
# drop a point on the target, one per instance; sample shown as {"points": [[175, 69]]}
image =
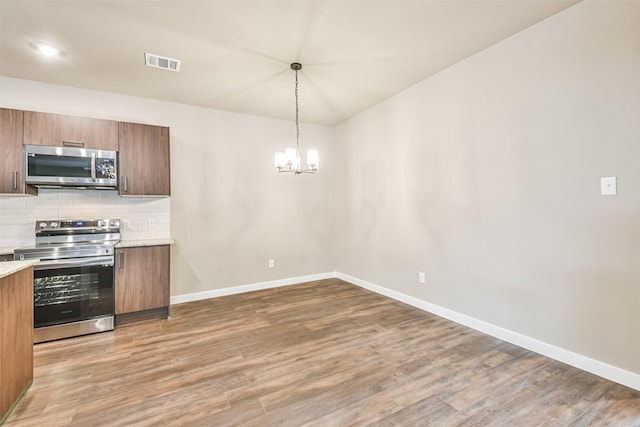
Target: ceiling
{"points": [[236, 54]]}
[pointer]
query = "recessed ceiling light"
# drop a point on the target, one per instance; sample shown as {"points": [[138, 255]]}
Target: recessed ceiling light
{"points": [[47, 49]]}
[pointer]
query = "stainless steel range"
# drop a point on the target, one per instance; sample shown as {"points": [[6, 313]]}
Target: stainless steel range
{"points": [[73, 285]]}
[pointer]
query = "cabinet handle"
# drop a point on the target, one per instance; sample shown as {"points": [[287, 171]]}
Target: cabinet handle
{"points": [[120, 260], [15, 181], [73, 143], [124, 183]]}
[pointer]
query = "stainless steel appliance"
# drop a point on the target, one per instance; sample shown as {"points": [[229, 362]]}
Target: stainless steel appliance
{"points": [[73, 285], [55, 167]]}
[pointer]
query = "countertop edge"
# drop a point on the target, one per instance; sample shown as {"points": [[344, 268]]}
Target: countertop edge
{"points": [[144, 242], [9, 267]]}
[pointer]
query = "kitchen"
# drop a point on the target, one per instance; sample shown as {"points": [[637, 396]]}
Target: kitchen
{"points": [[75, 263], [383, 213]]}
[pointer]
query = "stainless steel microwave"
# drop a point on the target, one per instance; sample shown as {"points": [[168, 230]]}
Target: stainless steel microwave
{"points": [[47, 166]]}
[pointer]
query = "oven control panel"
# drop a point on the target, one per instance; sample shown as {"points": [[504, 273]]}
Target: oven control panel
{"points": [[72, 225]]}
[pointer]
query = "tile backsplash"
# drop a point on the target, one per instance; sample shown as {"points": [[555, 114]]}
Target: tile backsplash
{"points": [[143, 217]]}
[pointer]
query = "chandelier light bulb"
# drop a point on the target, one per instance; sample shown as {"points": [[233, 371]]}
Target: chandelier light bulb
{"points": [[281, 159], [313, 159]]}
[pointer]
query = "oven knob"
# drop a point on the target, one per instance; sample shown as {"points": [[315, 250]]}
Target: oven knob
{"points": [[43, 225], [115, 223], [54, 225], [102, 223]]}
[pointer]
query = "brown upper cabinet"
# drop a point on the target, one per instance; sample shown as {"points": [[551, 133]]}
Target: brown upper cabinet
{"points": [[69, 131], [144, 160], [11, 161]]}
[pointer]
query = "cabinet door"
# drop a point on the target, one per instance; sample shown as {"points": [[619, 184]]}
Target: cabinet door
{"points": [[16, 336], [60, 130], [144, 160], [11, 160], [142, 278]]}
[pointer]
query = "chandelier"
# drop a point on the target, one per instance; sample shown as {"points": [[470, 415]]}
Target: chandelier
{"points": [[289, 159]]}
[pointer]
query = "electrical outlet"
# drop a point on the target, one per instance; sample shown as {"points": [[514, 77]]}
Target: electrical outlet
{"points": [[272, 263], [126, 224], [422, 278], [151, 222]]}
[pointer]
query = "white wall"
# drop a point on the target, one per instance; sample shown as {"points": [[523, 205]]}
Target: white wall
{"points": [[230, 211], [486, 176]]}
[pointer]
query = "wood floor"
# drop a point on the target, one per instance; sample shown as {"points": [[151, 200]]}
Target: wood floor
{"points": [[323, 353]]}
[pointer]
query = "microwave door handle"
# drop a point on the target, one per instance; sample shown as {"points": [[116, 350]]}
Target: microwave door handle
{"points": [[93, 167]]}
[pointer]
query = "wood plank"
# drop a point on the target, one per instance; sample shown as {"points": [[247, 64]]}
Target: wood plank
{"points": [[319, 353]]}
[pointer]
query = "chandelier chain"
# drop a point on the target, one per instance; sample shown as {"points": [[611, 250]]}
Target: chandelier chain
{"points": [[297, 122]]}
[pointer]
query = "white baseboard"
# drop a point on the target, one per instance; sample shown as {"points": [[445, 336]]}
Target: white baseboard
{"points": [[579, 361], [214, 293]]}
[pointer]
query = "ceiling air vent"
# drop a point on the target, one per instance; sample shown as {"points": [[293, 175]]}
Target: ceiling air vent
{"points": [[157, 61]]}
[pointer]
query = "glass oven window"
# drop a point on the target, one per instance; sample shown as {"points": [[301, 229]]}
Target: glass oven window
{"points": [[63, 289], [71, 294]]}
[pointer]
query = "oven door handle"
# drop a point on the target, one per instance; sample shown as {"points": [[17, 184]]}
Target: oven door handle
{"points": [[50, 264]]}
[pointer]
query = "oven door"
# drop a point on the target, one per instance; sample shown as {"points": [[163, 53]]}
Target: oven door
{"points": [[70, 290]]}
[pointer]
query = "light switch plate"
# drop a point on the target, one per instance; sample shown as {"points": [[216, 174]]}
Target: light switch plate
{"points": [[608, 186]]}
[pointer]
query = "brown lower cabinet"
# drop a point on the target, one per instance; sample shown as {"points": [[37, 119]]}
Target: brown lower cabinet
{"points": [[142, 283], [16, 337]]}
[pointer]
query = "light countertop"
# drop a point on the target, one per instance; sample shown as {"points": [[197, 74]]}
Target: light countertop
{"points": [[10, 267], [6, 251], [144, 242]]}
